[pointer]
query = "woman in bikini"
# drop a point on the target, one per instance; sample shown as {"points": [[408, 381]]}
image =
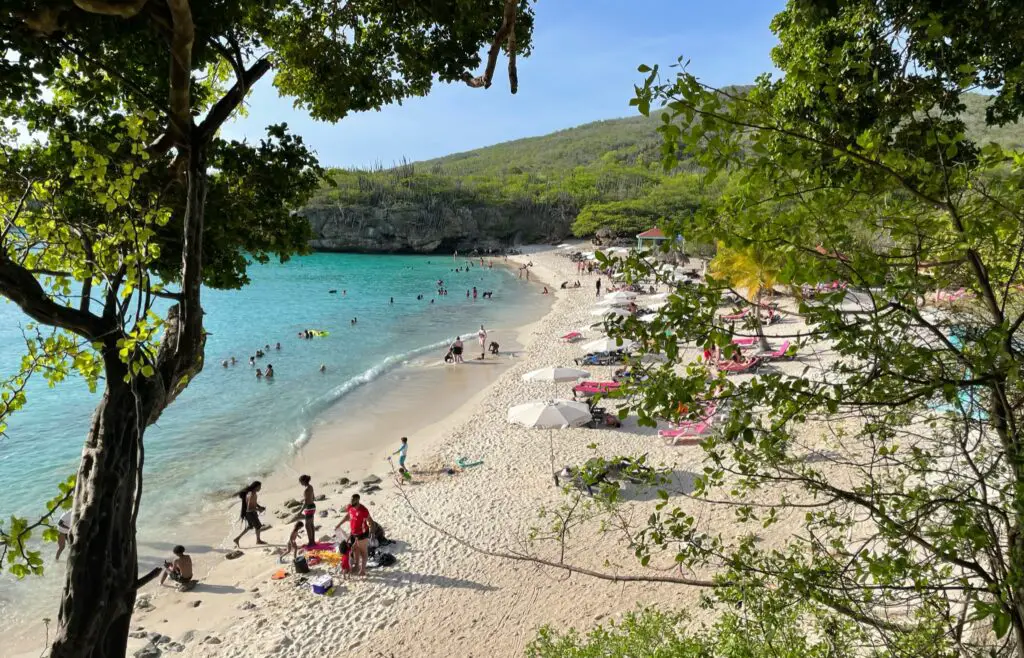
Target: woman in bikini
{"points": [[308, 508]]}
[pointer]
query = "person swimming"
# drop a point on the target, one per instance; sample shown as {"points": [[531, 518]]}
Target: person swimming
{"points": [[323, 368], [259, 374]]}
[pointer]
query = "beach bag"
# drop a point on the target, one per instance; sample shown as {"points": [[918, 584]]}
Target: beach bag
{"points": [[386, 559], [301, 565]]}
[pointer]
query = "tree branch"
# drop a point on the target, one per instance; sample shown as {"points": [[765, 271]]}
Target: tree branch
{"points": [[223, 108], [182, 39], [506, 31], [18, 285], [126, 9]]}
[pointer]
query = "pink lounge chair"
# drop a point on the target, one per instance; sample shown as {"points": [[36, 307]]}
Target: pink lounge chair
{"points": [[732, 317], [732, 368], [587, 389], [689, 434], [779, 353], [744, 341], [572, 337]]}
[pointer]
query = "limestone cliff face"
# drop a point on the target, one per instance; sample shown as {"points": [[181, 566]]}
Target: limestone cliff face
{"points": [[415, 228]]}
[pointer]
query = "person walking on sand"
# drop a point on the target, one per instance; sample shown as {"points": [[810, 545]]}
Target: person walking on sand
{"points": [[308, 508], [402, 452], [599, 287], [179, 569], [482, 337], [63, 528], [251, 509], [360, 523]]}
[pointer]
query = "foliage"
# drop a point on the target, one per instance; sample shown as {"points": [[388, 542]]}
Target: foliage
{"points": [[888, 456], [116, 191], [791, 630]]}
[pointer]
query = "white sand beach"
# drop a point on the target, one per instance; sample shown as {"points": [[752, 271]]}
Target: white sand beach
{"points": [[441, 598]]}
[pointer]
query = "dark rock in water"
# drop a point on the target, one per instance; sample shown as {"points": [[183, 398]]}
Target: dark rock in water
{"points": [[373, 479], [234, 555], [320, 497]]}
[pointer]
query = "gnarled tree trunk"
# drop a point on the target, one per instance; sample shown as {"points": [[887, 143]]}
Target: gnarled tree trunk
{"points": [[99, 592]]}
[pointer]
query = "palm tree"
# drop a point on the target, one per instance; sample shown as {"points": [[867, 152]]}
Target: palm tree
{"points": [[753, 269]]}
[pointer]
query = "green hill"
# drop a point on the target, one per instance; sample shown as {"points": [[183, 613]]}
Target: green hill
{"points": [[604, 174]]}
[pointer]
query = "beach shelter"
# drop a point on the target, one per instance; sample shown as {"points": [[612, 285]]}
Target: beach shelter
{"points": [[555, 375], [605, 344], [550, 414], [650, 239]]}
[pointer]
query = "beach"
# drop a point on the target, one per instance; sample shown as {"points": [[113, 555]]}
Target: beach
{"points": [[442, 598]]}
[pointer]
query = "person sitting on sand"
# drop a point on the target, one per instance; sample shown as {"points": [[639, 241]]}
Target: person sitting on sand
{"points": [[449, 357], [494, 348], [251, 509], [360, 523], [179, 569], [259, 374], [270, 371], [308, 508]]}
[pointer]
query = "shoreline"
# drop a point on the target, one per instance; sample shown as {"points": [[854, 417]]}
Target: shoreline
{"points": [[335, 448]]}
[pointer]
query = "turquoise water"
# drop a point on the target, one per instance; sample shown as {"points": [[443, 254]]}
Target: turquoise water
{"points": [[228, 426]]}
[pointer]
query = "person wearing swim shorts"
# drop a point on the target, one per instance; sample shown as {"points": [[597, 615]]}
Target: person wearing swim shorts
{"points": [[63, 528], [401, 452], [251, 509], [360, 523], [457, 349], [308, 508], [179, 569]]}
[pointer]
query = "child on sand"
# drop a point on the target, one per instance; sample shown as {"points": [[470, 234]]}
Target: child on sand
{"points": [[293, 542], [179, 569]]}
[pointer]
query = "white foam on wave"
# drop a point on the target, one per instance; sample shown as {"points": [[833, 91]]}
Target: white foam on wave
{"points": [[317, 406]]}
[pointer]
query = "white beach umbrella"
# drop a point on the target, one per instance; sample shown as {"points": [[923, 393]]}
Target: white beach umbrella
{"points": [[550, 414], [620, 295], [606, 302], [606, 311], [605, 344], [555, 375]]}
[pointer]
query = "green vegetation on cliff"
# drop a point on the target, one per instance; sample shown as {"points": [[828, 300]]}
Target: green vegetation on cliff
{"points": [[605, 174]]}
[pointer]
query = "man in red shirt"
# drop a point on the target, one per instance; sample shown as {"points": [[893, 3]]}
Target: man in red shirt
{"points": [[359, 524]]}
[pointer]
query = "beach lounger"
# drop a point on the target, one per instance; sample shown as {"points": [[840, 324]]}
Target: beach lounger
{"points": [[588, 388], [744, 341], [733, 368], [572, 337], [779, 353], [688, 434], [733, 317], [602, 359]]}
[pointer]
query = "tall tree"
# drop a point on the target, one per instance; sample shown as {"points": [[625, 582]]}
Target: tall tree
{"points": [[98, 224]]}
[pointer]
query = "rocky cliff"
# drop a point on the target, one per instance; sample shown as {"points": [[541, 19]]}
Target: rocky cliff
{"points": [[416, 228]]}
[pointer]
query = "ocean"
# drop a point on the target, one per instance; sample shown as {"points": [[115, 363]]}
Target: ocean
{"points": [[228, 426]]}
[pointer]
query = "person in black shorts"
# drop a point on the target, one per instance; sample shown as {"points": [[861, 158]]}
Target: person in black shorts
{"points": [[251, 511]]}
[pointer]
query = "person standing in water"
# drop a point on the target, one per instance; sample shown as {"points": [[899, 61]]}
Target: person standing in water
{"points": [[251, 509], [308, 508], [482, 337]]}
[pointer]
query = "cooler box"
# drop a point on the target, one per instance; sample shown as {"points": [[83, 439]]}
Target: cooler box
{"points": [[322, 584]]}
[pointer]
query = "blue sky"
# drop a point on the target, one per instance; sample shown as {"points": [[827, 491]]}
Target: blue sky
{"points": [[583, 68]]}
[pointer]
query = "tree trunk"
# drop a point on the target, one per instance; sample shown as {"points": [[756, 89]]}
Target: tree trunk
{"points": [[99, 591], [758, 325]]}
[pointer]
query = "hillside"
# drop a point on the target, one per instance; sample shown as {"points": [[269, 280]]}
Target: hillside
{"points": [[603, 174]]}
